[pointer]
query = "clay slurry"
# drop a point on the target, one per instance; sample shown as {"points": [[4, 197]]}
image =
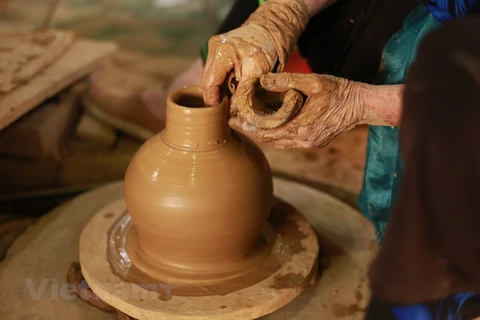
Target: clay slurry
{"points": [[283, 230]]}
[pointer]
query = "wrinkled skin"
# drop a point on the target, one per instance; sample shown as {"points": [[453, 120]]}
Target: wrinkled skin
{"points": [[333, 106], [252, 50], [231, 51]]}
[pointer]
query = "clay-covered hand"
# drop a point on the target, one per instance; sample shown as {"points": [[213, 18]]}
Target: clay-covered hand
{"points": [[333, 106], [254, 49]]}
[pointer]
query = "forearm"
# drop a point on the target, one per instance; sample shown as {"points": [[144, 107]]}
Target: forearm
{"points": [[238, 14], [242, 9], [383, 104], [316, 6]]}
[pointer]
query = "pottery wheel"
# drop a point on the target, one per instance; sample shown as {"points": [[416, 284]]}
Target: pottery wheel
{"points": [[272, 282], [40, 258]]}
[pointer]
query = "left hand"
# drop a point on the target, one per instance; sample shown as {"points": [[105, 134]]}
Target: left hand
{"points": [[333, 106]]}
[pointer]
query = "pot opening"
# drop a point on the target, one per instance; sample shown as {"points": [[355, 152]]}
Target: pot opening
{"points": [[188, 100]]}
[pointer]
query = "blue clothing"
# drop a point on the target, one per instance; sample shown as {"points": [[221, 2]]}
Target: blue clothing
{"points": [[445, 10], [384, 165], [462, 306]]}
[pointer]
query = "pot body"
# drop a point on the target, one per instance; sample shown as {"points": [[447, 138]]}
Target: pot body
{"points": [[199, 195]]}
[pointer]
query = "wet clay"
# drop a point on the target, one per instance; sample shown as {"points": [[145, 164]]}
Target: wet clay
{"points": [[284, 21], [281, 239], [270, 283], [199, 196], [261, 45], [261, 108]]}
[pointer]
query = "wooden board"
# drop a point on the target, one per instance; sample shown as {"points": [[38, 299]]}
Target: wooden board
{"points": [[82, 58], [248, 302], [45, 130], [42, 255], [95, 134]]}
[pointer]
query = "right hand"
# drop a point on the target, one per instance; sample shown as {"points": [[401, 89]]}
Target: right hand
{"points": [[267, 37], [248, 51]]}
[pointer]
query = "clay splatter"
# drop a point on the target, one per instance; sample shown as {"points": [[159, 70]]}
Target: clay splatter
{"points": [[358, 295], [278, 218], [342, 310], [290, 280]]}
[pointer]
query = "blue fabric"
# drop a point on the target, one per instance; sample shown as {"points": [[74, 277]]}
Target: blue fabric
{"points": [[451, 308], [445, 10], [384, 165], [461, 306]]}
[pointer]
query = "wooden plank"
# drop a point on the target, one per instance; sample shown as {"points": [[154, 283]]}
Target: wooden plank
{"points": [[82, 58], [46, 129], [38, 261], [95, 134]]}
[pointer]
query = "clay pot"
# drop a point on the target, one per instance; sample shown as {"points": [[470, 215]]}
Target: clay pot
{"points": [[198, 193]]}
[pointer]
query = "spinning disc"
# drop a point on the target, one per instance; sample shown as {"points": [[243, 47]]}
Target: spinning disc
{"points": [[295, 249]]}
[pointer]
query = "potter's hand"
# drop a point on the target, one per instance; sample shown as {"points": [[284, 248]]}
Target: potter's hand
{"points": [[267, 37], [333, 105]]}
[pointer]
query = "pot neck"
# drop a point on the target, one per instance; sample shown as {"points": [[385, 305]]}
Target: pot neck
{"points": [[190, 125]]}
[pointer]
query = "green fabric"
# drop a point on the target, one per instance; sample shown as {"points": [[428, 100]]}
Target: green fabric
{"points": [[204, 52], [204, 49], [384, 164]]}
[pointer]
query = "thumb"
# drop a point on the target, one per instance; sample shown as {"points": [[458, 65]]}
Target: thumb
{"points": [[307, 84], [235, 124]]}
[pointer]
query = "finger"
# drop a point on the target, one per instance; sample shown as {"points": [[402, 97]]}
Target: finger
{"points": [[241, 125], [307, 84], [233, 106], [242, 100], [285, 144], [233, 111], [212, 79], [235, 124], [219, 63], [280, 133], [245, 129]]}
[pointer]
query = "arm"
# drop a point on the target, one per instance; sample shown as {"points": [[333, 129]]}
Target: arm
{"points": [[316, 6], [333, 105], [383, 104], [239, 13], [242, 9]]}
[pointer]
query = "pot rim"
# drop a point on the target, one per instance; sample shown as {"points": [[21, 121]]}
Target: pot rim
{"points": [[195, 91]]}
